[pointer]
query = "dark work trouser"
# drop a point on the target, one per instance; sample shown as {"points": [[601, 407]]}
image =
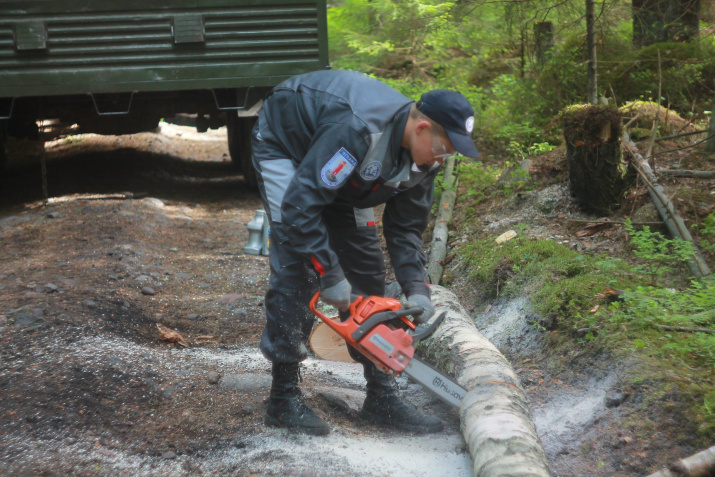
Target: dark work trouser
{"points": [[292, 284], [293, 281]]}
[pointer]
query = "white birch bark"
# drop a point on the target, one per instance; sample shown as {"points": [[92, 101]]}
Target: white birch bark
{"points": [[495, 416]]}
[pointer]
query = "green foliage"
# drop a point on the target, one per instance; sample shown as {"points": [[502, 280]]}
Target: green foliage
{"points": [[659, 255], [562, 282], [383, 35], [475, 178], [564, 287], [520, 151], [486, 51], [686, 74], [707, 233], [514, 112], [644, 308]]}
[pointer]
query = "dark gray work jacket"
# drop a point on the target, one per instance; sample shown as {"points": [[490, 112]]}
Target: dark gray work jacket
{"points": [[334, 138]]}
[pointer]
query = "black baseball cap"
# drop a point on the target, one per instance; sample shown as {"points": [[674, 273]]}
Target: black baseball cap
{"points": [[451, 110]]}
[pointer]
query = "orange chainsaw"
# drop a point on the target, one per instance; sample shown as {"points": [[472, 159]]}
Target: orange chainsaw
{"points": [[382, 332]]}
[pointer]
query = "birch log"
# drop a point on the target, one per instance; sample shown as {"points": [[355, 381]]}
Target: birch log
{"points": [[701, 464], [440, 234], [495, 416]]}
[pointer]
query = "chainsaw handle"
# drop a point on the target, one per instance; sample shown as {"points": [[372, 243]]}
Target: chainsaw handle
{"points": [[424, 332], [314, 309], [354, 300]]}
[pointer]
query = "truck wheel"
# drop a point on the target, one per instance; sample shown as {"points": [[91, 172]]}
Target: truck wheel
{"points": [[3, 145], [239, 146]]}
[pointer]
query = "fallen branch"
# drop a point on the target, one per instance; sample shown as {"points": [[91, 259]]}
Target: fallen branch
{"points": [[686, 329], [682, 134], [614, 222], [440, 233], [701, 464], [667, 151], [494, 414], [686, 173], [697, 265], [634, 118]]}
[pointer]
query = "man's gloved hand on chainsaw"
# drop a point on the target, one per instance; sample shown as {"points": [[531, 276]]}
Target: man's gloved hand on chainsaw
{"points": [[337, 295], [423, 302]]}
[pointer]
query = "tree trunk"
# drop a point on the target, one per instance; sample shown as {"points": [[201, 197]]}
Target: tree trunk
{"points": [[598, 174], [657, 21], [591, 48], [495, 415], [710, 144], [544, 41]]}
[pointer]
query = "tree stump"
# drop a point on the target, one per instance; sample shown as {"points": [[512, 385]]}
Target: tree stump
{"points": [[598, 174]]}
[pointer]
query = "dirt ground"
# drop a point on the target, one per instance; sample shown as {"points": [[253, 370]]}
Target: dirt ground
{"points": [[144, 230], [149, 229]]}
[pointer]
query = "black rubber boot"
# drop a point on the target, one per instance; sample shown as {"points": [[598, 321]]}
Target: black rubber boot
{"points": [[286, 404], [383, 406]]}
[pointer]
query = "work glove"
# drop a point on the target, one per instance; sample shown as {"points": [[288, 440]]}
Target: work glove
{"points": [[423, 302], [337, 295]]}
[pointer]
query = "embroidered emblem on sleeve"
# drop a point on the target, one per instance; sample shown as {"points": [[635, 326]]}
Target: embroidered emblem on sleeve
{"points": [[338, 168], [371, 171]]}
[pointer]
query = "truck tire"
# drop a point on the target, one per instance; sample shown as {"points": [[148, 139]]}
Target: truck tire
{"points": [[239, 146], [3, 145]]}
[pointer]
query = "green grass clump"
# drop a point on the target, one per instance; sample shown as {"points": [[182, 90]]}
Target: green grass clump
{"points": [[562, 282]]}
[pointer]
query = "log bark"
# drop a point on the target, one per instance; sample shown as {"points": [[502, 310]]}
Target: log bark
{"points": [[495, 416], [701, 464], [440, 234], [676, 227]]}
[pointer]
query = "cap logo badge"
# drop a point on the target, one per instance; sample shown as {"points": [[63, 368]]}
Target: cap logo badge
{"points": [[469, 125]]}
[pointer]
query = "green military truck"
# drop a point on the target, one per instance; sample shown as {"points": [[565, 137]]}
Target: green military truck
{"points": [[118, 67]]}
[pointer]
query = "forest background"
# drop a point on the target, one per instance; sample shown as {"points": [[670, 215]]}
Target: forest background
{"points": [[519, 80]]}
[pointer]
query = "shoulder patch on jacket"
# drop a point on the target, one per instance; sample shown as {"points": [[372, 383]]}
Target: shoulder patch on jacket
{"points": [[371, 171], [338, 168]]}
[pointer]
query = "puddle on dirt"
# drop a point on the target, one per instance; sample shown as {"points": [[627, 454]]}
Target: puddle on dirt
{"points": [[563, 420], [563, 416]]}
